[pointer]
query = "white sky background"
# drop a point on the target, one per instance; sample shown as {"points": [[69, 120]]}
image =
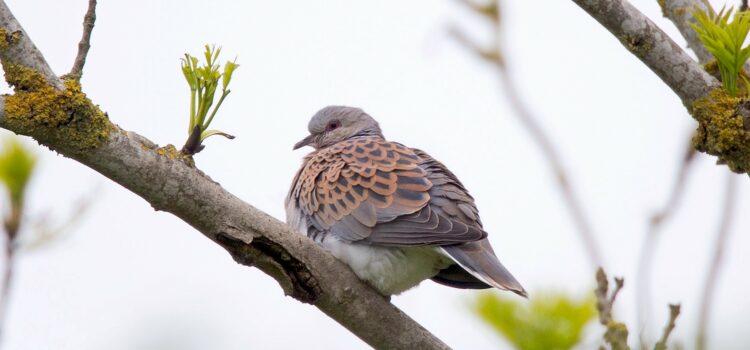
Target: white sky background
{"points": [[132, 278]]}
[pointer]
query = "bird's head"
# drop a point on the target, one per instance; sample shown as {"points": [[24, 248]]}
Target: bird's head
{"points": [[334, 124]]}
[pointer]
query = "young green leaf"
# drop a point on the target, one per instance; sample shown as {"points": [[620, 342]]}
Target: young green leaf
{"points": [[548, 321], [725, 41], [16, 167], [203, 79]]}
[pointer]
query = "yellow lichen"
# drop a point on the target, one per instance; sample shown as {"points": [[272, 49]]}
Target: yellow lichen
{"points": [[663, 6], [170, 151], [679, 12], [712, 67], [8, 38], [638, 45], [64, 118], [721, 131]]}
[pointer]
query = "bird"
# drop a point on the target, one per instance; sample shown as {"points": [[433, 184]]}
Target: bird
{"points": [[394, 214]]}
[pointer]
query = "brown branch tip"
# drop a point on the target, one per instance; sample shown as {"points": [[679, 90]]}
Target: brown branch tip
{"points": [[85, 44], [674, 311], [616, 333]]}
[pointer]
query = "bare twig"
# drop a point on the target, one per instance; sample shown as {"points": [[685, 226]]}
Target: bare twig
{"points": [[616, 333], [85, 44], [170, 183], [489, 10], [722, 235], [648, 247], [531, 123], [674, 311]]}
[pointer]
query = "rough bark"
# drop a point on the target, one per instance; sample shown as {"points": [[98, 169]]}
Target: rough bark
{"points": [[680, 12], [723, 120], [653, 47], [59, 118]]}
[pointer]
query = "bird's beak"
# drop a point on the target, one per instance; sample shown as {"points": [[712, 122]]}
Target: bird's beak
{"points": [[305, 142]]}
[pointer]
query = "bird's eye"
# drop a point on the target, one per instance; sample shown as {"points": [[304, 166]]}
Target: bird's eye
{"points": [[333, 125]]}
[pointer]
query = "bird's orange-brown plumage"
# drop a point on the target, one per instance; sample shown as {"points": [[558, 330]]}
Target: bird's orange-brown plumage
{"points": [[393, 213]]}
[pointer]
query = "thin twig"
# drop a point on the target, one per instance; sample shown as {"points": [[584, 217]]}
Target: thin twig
{"points": [[616, 333], [714, 269], [674, 311], [11, 224], [656, 226], [531, 123], [7, 279], [303, 269], [85, 44]]}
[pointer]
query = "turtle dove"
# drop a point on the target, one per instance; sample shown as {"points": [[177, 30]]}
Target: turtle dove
{"points": [[394, 214]]}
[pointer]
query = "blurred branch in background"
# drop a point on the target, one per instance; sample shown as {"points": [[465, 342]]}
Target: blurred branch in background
{"points": [[77, 128], [16, 168], [547, 321], [44, 230], [656, 226], [722, 235], [530, 122], [674, 311], [557, 321], [616, 334]]}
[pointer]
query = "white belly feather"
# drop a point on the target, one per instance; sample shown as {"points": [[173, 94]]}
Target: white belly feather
{"points": [[391, 270]]}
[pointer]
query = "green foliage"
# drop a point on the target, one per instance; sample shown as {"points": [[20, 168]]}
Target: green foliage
{"points": [[203, 79], [545, 322], [16, 167], [725, 40]]}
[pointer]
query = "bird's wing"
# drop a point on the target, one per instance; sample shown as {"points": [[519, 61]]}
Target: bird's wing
{"points": [[481, 267], [372, 191]]}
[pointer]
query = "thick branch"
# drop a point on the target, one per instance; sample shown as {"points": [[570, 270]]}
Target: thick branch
{"points": [[653, 47], [169, 182], [24, 51], [723, 120], [680, 12]]}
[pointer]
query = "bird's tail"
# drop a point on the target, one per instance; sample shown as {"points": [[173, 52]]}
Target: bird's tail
{"points": [[479, 259]]}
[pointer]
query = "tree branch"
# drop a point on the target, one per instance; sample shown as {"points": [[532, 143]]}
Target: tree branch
{"points": [[674, 311], [24, 52], [616, 333], [85, 44], [714, 269], [76, 128], [680, 12], [655, 227], [724, 121], [531, 123], [653, 47]]}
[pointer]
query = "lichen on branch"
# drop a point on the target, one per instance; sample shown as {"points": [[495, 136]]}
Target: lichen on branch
{"points": [[722, 128], [64, 118]]}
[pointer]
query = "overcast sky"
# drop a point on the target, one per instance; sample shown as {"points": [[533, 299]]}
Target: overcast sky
{"points": [[131, 278]]}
